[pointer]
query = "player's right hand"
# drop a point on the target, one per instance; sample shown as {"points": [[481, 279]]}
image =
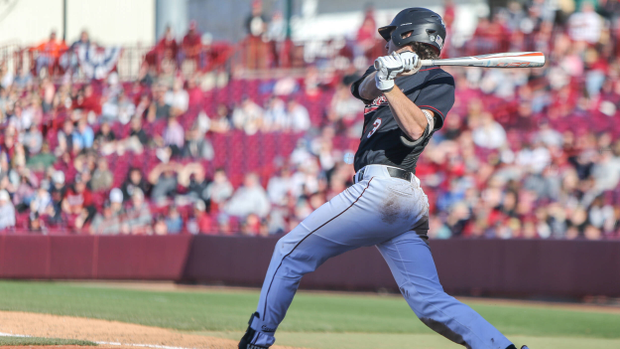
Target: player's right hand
{"points": [[388, 67], [411, 62]]}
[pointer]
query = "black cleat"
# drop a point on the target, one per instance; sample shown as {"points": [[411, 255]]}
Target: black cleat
{"points": [[524, 347], [246, 340]]}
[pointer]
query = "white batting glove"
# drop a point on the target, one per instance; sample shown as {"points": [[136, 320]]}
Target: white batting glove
{"points": [[411, 62], [388, 67]]}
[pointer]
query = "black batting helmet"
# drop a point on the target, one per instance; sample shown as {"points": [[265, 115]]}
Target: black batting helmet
{"points": [[425, 26]]}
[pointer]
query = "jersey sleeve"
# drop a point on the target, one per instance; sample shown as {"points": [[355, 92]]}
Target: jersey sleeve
{"points": [[355, 86], [436, 95]]}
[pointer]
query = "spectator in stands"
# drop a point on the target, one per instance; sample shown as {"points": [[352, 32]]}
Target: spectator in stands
{"points": [[138, 217], [280, 186], [159, 109], [191, 46], [160, 227], [256, 24], [606, 173], [488, 133], [32, 140], [174, 222], [220, 190], [23, 78], [221, 123], [173, 136], [366, 34], [164, 181], [256, 48], [276, 29], [533, 158], [134, 181], [200, 222], [6, 76], [247, 116], [71, 61], [84, 40], [250, 198], [275, 117], [125, 108], [42, 203], [48, 52], [83, 136], [548, 136], [36, 224], [166, 48], [32, 112], [102, 176], [137, 132], [104, 136], [585, 25], [78, 198], [192, 177], [65, 138], [116, 201], [18, 120], [87, 101], [106, 222], [197, 146], [177, 98], [58, 192], [7, 211], [25, 191]]}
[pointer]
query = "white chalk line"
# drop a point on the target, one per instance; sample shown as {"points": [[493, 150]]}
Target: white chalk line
{"points": [[104, 343]]}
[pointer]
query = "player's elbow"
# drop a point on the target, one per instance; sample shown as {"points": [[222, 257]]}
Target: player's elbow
{"points": [[414, 132]]}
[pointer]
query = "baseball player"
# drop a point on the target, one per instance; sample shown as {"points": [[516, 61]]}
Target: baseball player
{"points": [[386, 207]]}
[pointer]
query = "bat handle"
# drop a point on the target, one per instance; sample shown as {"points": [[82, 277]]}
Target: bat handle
{"points": [[427, 62]]}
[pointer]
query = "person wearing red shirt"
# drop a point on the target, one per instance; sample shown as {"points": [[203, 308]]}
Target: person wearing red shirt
{"points": [[88, 101], [165, 49], [77, 198], [191, 45], [49, 51], [201, 222]]}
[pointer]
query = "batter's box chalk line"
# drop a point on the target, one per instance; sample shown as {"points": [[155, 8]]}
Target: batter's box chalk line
{"points": [[105, 343]]}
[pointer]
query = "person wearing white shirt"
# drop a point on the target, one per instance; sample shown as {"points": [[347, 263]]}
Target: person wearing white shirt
{"points": [[298, 117], [7, 211], [585, 25], [178, 98], [490, 134]]}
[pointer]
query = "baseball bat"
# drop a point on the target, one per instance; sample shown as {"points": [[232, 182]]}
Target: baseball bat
{"points": [[495, 60]]}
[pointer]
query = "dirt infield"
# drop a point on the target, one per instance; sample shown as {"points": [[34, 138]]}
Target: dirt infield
{"points": [[44, 325], [53, 347]]}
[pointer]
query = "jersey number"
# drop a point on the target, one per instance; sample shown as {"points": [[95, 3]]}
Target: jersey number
{"points": [[376, 125]]}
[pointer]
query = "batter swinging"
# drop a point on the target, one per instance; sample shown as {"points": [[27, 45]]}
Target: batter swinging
{"points": [[386, 206]]}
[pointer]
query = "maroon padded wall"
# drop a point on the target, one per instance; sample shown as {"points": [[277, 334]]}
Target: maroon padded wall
{"points": [[93, 257], [545, 268], [548, 268]]}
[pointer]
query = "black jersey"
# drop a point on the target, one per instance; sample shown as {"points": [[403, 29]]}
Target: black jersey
{"points": [[382, 141]]}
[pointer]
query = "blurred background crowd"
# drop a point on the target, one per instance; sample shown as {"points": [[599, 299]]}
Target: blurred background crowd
{"points": [[216, 137]]}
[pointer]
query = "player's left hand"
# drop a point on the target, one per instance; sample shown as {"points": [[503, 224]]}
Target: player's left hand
{"points": [[411, 62], [388, 68]]}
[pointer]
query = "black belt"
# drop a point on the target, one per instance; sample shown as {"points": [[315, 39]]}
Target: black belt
{"points": [[394, 172], [400, 173]]}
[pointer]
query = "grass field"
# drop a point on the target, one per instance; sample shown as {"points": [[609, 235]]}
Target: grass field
{"points": [[22, 341], [321, 321]]}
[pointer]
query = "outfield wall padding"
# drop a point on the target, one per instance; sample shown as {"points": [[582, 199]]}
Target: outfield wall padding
{"points": [[532, 268], [93, 257]]}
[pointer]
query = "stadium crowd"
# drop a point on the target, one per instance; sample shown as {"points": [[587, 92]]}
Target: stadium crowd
{"points": [[523, 154]]}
